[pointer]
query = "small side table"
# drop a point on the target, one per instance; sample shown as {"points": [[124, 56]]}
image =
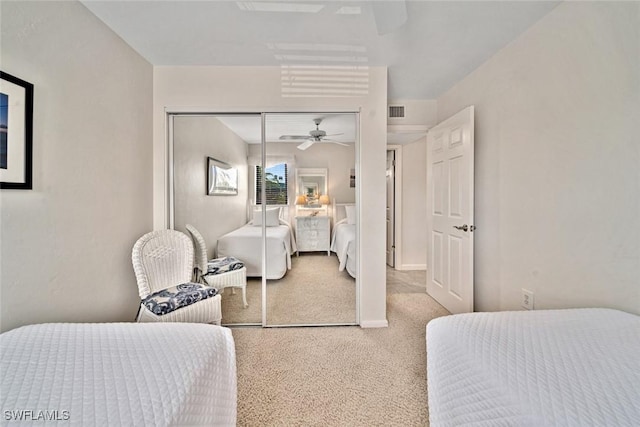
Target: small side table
{"points": [[313, 234]]}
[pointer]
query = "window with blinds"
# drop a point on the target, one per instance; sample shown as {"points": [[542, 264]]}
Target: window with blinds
{"points": [[275, 185]]}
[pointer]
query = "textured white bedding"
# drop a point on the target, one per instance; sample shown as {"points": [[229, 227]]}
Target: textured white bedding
{"points": [[245, 243], [119, 374], [343, 243], [577, 367]]}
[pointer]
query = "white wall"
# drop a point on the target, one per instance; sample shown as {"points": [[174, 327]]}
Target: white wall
{"points": [[258, 88], [66, 244], [414, 206], [557, 161], [416, 112], [195, 139]]}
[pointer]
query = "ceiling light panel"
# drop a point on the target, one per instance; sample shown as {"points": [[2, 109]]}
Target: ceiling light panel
{"points": [[256, 6], [349, 10], [321, 58], [317, 47]]}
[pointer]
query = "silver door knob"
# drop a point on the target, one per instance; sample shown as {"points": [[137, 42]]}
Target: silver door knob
{"points": [[463, 227]]}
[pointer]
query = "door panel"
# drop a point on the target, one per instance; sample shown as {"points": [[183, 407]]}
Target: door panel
{"points": [[455, 187], [455, 266], [450, 157], [436, 265], [438, 193]]}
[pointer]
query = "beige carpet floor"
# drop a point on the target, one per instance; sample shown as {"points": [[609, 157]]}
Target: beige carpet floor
{"points": [[313, 291], [338, 376]]}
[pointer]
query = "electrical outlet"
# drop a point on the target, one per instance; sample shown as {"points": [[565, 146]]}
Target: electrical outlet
{"points": [[527, 299]]}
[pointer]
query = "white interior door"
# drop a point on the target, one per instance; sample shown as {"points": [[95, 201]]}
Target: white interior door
{"points": [[391, 185], [450, 154]]}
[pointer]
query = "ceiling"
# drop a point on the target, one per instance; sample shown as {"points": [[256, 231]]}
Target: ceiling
{"points": [[342, 127], [427, 46]]}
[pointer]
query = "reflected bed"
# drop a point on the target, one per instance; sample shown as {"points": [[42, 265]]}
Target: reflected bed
{"points": [[343, 236], [245, 243], [343, 244]]}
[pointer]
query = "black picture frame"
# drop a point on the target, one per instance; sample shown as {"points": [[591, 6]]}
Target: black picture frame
{"points": [[16, 102], [222, 178]]}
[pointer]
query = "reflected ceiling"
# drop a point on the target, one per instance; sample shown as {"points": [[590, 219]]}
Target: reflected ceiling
{"points": [[277, 125]]}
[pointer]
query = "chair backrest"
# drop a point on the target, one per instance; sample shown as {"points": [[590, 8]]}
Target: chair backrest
{"points": [[162, 259], [200, 247]]}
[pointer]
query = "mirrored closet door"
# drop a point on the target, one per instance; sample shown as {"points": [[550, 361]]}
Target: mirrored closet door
{"points": [[310, 192], [274, 193], [213, 192]]}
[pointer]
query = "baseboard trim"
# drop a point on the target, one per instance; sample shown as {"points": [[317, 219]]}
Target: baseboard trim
{"points": [[411, 267], [374, 324]]}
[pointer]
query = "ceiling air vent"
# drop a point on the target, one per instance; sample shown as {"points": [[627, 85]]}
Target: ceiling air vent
{"points": [[396, 111]]}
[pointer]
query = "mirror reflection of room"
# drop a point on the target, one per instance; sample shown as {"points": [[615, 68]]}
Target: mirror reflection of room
{"points": [[309, 194], [319, 288], [207, 155]]}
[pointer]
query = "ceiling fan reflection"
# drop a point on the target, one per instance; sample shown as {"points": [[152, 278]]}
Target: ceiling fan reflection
{"points": [[315, 136]]}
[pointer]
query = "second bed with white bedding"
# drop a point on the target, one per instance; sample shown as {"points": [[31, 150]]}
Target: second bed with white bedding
{"points": [[578, 367]]}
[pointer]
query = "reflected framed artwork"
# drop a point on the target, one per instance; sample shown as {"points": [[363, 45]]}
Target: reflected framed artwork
{"points": [[16, 133], [222, 178]]}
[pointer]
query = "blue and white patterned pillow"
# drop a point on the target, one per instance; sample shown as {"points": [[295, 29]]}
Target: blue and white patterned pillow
{"points": [[223, 265], [175, 297]]}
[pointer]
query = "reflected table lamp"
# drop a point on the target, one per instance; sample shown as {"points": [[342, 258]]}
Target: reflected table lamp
{"points": [[325, 202]]}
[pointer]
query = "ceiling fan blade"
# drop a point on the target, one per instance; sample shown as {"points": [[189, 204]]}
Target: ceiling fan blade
{"points": [[335, 142], [293, 137], [335, 134], [306, 144]]}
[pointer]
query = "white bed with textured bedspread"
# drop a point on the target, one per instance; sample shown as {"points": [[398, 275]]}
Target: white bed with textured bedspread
{"points": [[578, 367], [119, 374], [245, 243]]}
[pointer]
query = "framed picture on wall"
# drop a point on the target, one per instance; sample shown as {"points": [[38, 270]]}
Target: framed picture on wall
{"points": [[352, 178], [222, 178], [16, 133]]}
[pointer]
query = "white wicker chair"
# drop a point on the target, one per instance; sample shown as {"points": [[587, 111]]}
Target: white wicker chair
{"points": [[230, 279], [162, 260]]}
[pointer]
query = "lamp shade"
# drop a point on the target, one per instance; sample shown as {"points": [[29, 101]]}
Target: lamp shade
{"points": [[301, 200], [324, 200]]}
